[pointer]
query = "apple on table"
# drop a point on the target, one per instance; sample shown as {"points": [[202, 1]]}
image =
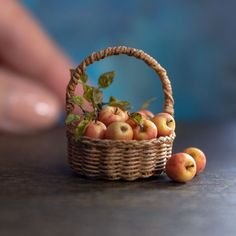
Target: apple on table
{"points": [[198, 156], [181, 167]]}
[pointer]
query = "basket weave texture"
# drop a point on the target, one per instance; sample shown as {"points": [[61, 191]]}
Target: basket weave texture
{"points": [[116, 159]]}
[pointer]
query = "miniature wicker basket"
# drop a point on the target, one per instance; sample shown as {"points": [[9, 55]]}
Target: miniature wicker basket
{"points": [[116, 159]]}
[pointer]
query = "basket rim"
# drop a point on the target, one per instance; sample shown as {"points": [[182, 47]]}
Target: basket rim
{"points": [[107, 142]]}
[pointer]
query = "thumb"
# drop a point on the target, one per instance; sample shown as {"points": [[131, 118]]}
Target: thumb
{"points": [[25, 106]]}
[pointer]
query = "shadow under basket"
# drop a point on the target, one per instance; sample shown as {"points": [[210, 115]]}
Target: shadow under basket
{"points": [[116, 159]]}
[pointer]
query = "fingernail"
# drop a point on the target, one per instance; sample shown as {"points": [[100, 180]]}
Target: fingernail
{"points": [[28, 107]]}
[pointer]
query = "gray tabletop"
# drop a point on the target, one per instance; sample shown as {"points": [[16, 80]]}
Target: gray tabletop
{"points": [[40, 195]]}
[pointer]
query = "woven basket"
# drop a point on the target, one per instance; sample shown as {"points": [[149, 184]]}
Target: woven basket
{"points": [[112, 159]]}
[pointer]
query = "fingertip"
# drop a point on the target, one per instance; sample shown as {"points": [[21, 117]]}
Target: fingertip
{"points": [[26, 106]]}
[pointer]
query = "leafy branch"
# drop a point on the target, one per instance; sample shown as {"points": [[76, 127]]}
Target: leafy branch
{"points": [[94, 96], [137, 118]]}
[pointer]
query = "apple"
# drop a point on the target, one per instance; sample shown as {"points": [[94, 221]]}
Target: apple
{"points": [[146, 113], [198, 156], [110, 114], [119, 130], [95, 129], [132, 123], [165, 124], [181, 167], [146, 132]]}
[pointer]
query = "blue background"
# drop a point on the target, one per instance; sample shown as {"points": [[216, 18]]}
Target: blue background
{"points": [[193, 40]]}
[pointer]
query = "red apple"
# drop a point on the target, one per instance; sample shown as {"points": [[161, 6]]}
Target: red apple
{"points": [[181, 167], [119, 130], [110, 114], [165, 124], [146, 113], [146, 132], [96, 129], [131, 122], [198, 156]]}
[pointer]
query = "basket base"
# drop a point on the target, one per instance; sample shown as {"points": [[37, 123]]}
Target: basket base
{"points": [[115, 160], [118, 178]]}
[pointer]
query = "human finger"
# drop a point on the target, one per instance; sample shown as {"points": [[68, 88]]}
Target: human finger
{"points": [[26, 48], [25, 106]]}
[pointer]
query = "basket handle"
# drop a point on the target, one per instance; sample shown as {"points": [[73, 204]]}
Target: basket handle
{"points": [[139, 54]]}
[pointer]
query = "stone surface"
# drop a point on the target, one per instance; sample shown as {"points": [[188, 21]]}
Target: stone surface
{"points": [[40, 195]]}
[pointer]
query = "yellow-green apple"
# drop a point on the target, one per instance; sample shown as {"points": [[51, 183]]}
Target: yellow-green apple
{"points": [[181, 167], [147, 131], [119, 130], [198, 156], [165, 124], [146, 113], [110, 114], [95, 129]]}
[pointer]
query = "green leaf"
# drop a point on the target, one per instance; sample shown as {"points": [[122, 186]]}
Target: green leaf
{"points": [[80, 128], [90, 116], [124, 105], [147, 103], [137, 118], [84, 78], [106, 79], [97, 96], [88, 93], [70, 118], [78, 100], [112, 99]]}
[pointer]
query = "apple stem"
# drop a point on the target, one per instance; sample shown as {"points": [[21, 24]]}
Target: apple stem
{"points": [[189, 167]]}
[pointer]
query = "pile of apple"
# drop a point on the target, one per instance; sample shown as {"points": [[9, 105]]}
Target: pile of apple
{"points": [[114, 123], [112, 120]]}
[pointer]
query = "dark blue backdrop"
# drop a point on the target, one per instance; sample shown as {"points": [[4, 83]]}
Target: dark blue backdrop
{"points": [[193, 40]]}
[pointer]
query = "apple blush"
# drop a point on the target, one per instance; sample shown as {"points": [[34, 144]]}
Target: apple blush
{"points": [[119, 130], [95, 129], [181, 167], [198, 156], [165, 124], [111, 114], [146, 132], [146, 113]]}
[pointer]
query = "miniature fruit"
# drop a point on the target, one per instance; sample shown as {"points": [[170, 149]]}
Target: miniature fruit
{"points": [[198, 156], [119, 130], [96, 129], [111, 114], [165, 124], [145, 132], [146, 113], [181, 167], [131, 122]]}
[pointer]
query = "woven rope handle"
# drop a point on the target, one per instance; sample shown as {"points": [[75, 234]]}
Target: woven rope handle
{"points": [[139, 54]]}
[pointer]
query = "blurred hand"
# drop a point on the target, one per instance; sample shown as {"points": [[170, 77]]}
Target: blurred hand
{"points": [[33, 73]]}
